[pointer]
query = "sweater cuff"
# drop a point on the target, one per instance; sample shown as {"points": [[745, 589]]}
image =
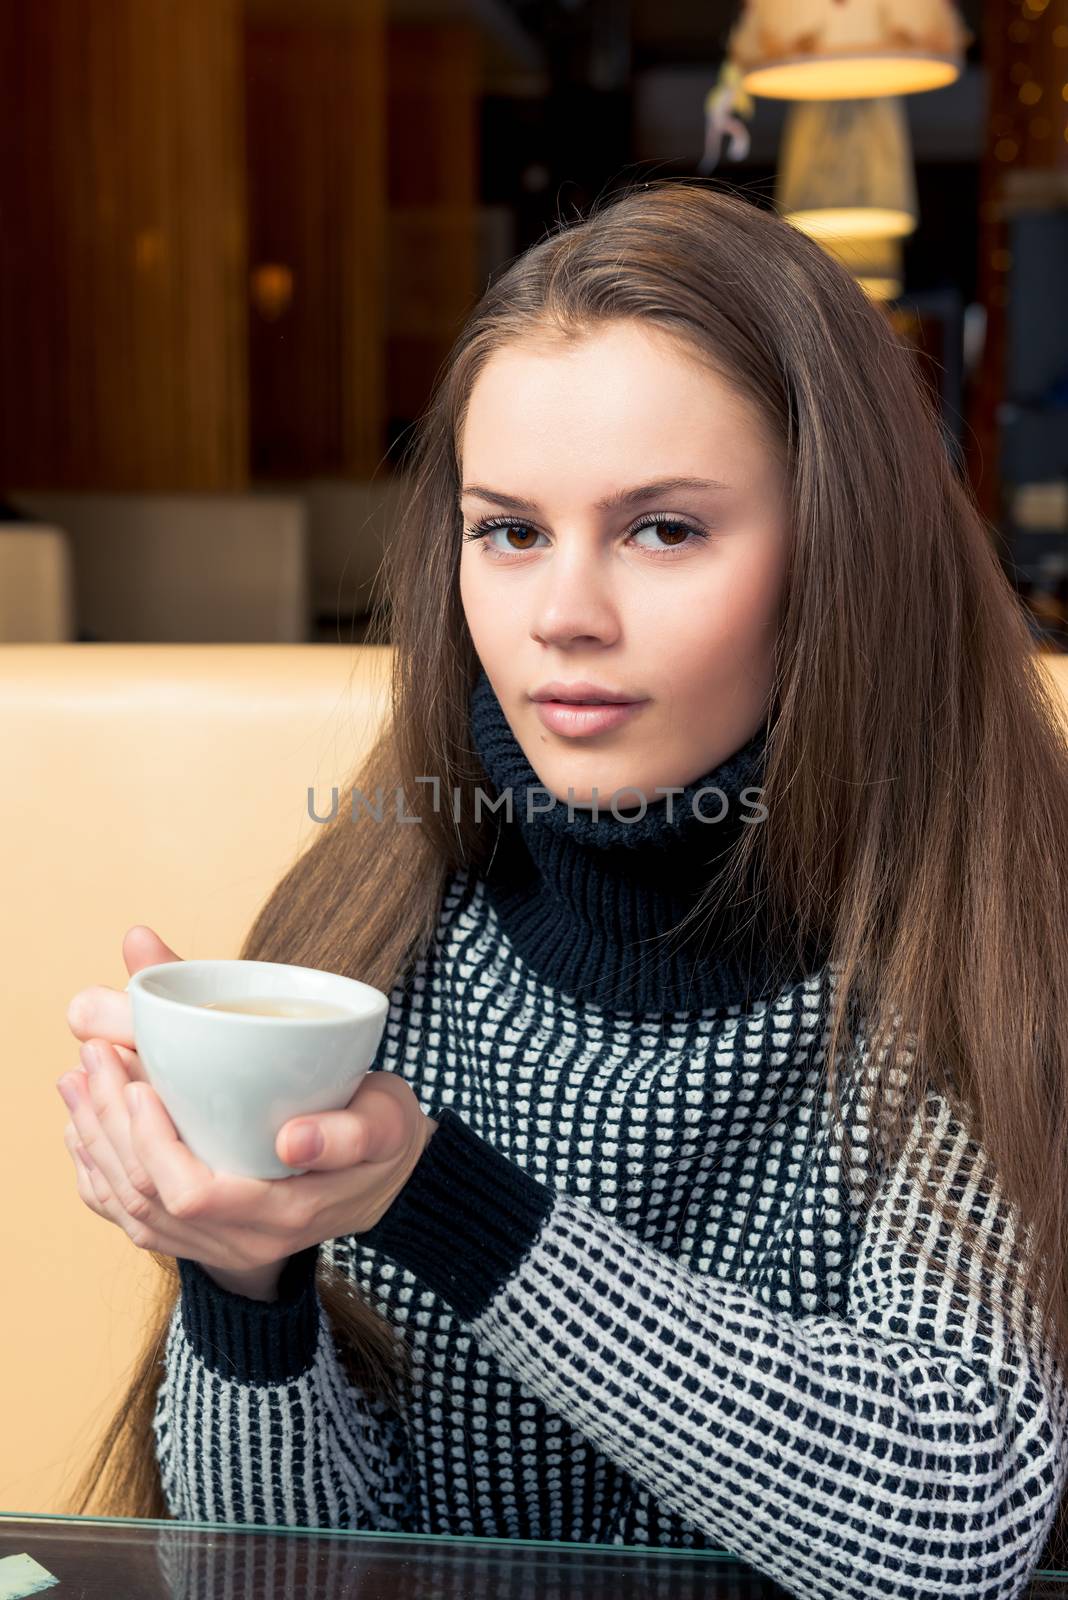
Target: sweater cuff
{"points": [[253, 1341], [464, 1220]]}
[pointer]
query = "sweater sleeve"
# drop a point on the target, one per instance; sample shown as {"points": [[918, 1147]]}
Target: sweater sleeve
{"points": [[257, 1422], [914, 1447]]}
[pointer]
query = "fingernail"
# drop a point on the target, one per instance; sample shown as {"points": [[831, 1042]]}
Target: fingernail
{"points": [[304, 1143], [92, 1057], [69, 1093]]}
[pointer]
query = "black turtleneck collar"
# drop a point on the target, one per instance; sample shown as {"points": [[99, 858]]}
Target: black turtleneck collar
{"points": [[583, 898]]}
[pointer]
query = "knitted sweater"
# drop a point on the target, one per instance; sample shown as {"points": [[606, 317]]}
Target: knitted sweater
{"points": [[642, 1299]]}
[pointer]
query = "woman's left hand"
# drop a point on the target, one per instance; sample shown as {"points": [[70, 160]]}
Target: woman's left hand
{"points": [[145, 1179], [371, 1146], [375, 1141]]}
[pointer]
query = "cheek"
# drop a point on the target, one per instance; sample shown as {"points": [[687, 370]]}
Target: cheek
{"points": [[725, 638], [751, 617], [754, 582], [491, 625]]}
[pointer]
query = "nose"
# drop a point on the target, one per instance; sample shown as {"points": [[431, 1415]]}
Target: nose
{"points": [[574, 601]]}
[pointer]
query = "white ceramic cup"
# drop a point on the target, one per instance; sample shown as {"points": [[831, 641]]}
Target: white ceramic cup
{"points": [[231, 1079]]}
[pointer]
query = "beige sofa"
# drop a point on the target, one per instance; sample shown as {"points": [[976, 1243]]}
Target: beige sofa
{"points": [[164, 784]]}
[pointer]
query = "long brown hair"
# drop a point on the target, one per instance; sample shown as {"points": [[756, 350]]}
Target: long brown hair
{"points": [[917, 771]]}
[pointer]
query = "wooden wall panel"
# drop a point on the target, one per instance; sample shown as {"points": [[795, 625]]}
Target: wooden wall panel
{"points": [[434, 192], [1025, 160], [123, 298], [315, 98]]}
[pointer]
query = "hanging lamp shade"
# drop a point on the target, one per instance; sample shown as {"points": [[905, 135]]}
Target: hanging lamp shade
{"points": [[875, 263], [846, 169], [847, 49]]}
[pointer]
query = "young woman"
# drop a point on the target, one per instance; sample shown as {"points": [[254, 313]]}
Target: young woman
{"points": [[712, 1189]]}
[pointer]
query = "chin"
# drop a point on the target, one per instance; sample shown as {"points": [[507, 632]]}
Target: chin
{"points": [[629, 799]]}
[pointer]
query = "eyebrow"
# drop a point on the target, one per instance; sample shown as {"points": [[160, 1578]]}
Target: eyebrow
{"points": [[612, 502]]}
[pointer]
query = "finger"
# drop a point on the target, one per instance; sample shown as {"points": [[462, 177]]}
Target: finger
{"points": [[83, 1178], [103, 1199], [93, 1190], [374, 1126], [143, 947], [74, 1088], [100, 1012], [125, 1204], [83, 1171], [188, 1189], [106, 1081], [135, 1067]]}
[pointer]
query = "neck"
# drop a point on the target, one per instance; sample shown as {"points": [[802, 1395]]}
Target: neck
{"points": [[591, 901]]}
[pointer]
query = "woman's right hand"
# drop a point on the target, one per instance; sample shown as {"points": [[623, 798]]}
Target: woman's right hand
{"points": [[243, 1254], [112, 1181]]}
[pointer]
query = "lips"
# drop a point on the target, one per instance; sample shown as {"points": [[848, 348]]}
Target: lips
{"points": [[583, 694], [576, 719]]}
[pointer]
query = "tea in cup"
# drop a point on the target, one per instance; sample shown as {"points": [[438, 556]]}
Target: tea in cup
{"points": [[283, 1006]]}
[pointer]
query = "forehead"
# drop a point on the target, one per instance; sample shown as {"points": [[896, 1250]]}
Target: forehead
{"points": [[625, 399]]}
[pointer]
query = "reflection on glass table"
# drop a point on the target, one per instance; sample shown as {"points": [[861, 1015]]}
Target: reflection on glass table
{"points": [[102, 1558]]}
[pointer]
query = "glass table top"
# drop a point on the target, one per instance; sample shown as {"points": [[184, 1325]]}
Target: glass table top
{"points": [[102, 1558]]}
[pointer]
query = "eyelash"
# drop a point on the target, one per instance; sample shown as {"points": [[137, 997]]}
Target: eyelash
{"points": [[488, 524]]}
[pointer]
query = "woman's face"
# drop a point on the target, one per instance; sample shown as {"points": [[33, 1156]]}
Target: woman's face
{"points": [[568, 589]]}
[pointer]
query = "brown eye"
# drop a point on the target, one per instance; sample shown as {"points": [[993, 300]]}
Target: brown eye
{"points": [[494, 525], [529, 532], [672, 534]]}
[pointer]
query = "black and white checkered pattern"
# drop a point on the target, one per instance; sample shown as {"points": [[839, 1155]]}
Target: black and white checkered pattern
{"points": [[644, 1305]]}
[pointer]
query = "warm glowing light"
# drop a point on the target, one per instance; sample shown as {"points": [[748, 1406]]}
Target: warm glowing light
{"points": [[850, 77], [829, 50], [271, 285], [853, 222], [874, 263], [845, 169]]}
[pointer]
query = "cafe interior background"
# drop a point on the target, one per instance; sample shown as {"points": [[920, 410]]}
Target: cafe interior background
{"points": [[240, 235], [237, 239]]}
